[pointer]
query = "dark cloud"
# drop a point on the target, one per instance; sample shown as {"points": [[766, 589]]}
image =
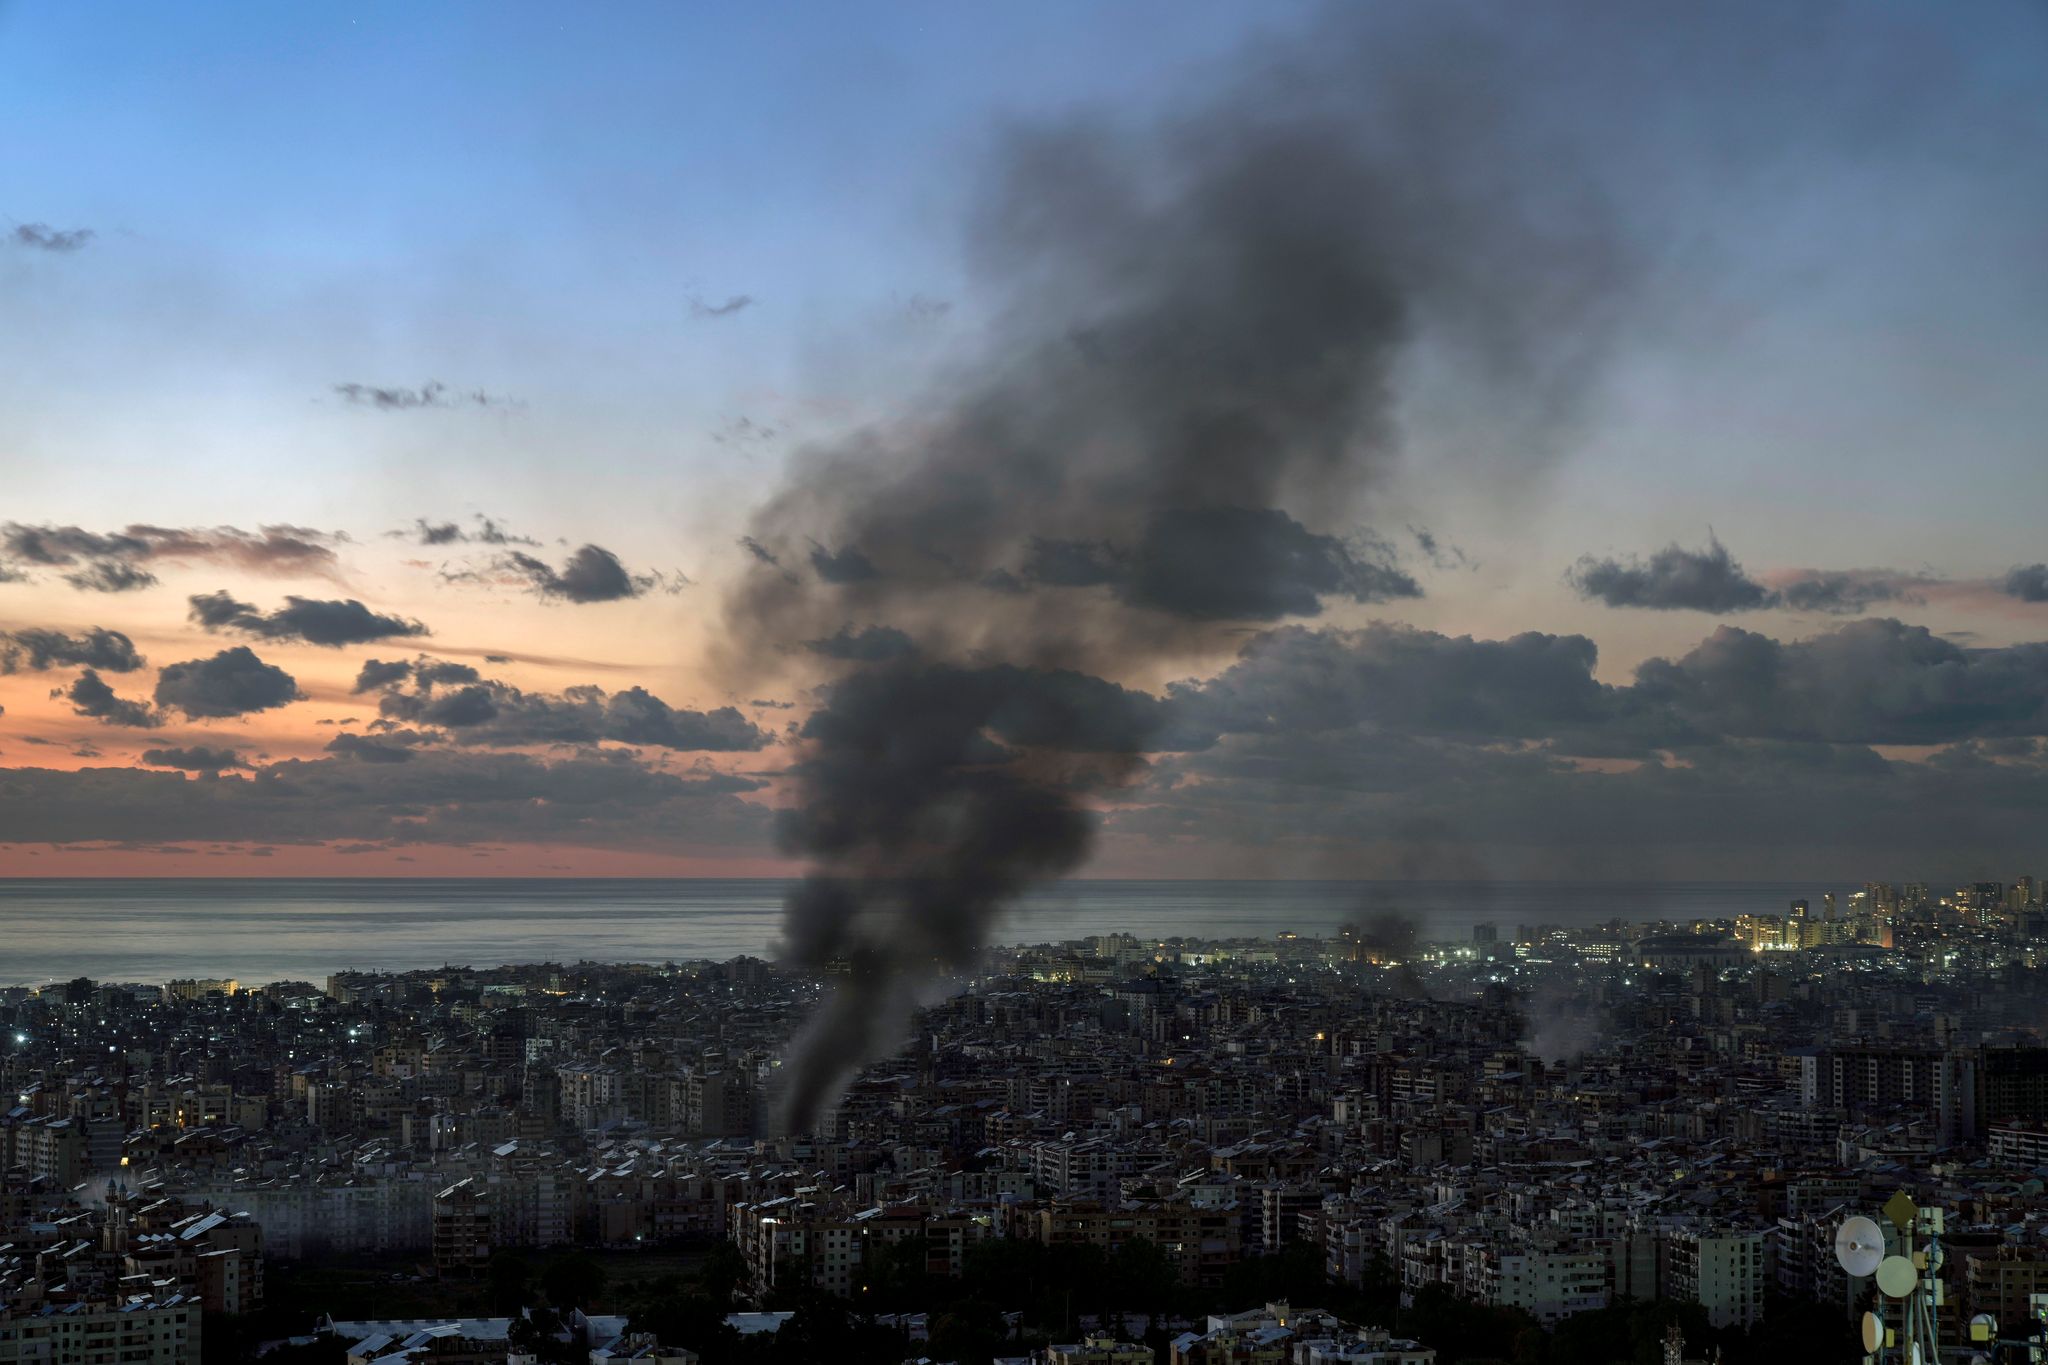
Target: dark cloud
{"points": [[1710, 580], [375, 749], [114, 561], [485, 532], [592, 574], [233, 682], [328, 623], [1869, 682], [110, 575], [432, 394], [490, 713], [872, 644], [43, 237], [1672, 579], [427, 672], [199, 759], [376, 673], [1401, 679], [2027, 582], [1848, 592], [90, 696], [439, 797], [735, 303], [38, 651]]}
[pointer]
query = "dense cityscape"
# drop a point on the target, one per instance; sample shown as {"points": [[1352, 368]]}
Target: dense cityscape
{"points": [[1632, 1141]]}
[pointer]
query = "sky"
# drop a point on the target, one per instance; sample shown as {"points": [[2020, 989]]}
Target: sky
{"points": [[515, 439]]}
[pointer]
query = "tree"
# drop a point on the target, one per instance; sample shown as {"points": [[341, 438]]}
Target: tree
{"points": [[573, 1281], [510, 1279]]}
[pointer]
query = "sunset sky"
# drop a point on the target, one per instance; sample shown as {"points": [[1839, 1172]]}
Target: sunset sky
{"points": [[474, 338]]}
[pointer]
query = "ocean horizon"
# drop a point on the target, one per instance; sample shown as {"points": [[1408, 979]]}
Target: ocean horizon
{"points": [[153, 929]]}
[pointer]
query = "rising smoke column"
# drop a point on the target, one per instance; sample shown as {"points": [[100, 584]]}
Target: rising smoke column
{"points": [[1207, 328]]}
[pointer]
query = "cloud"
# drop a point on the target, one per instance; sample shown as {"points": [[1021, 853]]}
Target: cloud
{"points": [[592, 574], [432, 394], [38, 651], [488, 713], [376, 673], [1672, 579], [233, 682], [873, 644], [332, 624], [90, 696], [1710, 580], [110, 576], [438, 797], [198, 759], [485, 532], [376, 749], [2027, 582], [699, 308], [1879, 681], [115, 561], [1847, 592], [43, 237]]}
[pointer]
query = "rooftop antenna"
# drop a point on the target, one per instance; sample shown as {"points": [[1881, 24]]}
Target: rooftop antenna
{"points": [[1907, 1276]]}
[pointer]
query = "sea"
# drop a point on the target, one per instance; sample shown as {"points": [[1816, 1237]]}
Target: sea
{"points": [[258, 931]]}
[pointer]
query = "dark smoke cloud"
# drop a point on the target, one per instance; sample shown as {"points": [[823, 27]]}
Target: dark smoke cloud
{"points": [[592, 574], [873, 644], [233, 682], [199, 759], [43, 237], [1205, 327], [332, 624], [1389, 938], [2028, 582], [1672, 579], [90, 696], [38, 651]]}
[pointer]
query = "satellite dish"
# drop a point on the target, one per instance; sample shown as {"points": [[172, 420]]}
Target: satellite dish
{"points": [[1859, 1246], [1873, 1331], [1896, 1277], [1983, 1327], [1913, 1356]]}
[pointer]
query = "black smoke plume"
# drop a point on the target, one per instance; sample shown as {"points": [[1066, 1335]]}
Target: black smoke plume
{"points": [[1206, 329]]}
